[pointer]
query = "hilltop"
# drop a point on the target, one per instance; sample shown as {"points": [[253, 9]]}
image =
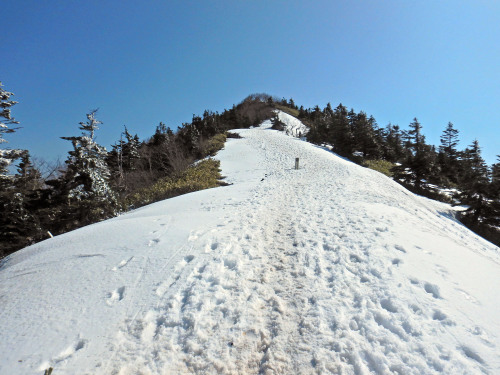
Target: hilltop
{"points": [[332, 268]]}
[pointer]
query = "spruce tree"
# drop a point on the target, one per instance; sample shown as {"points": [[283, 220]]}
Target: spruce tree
{"points": [[276, 123], [18, 226], [340, 132], [495, 194], [495, 173], [474, 188], [82, 193], [365, 138], [419, 162], [7, 156], [448, 155], [130, 151], [393, 145]]}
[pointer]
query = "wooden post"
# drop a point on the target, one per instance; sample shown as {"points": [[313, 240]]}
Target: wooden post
{"points": [[296, 163]]}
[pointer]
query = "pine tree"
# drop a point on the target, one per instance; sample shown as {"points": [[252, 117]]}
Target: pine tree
{"points": [[7, 156], [276, 123], [340, 132], [19, 222], [28, 176], [419, 163], [475, 186], [364, 133], [448, 155], [393, 146], [495, 174], [495, 194], [130, 151], [83, 193], [18, 225]]}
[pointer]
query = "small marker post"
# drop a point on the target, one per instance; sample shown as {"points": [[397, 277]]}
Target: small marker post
{"points": [[296, 163]]}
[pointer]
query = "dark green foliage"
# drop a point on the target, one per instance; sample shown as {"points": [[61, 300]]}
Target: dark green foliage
{"points": [[276, 123], [18, 225], [82, 194], [418, 164], [392, 147], [475, 188], [448, 156], [365, 134], [136, 173]]}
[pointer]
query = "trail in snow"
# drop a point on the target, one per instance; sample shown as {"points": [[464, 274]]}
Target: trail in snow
{"points": [[332, 268], [304, 281]]}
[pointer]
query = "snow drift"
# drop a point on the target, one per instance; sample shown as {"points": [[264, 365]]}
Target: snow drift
{"points": [[332, 268]]}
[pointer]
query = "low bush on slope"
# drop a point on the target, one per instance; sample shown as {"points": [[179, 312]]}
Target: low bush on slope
{"points": [[203, 175]]}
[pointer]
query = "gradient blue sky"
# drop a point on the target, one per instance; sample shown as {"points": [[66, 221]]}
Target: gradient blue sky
{"points": [[142, 62]]}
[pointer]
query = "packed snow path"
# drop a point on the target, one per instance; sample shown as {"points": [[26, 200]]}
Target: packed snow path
{"points": [[331, 268]]}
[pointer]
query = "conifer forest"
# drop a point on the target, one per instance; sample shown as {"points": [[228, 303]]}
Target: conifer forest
{"points": [[94, 184]]}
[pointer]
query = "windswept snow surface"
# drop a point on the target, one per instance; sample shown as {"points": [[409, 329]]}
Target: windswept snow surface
{"points": [[332, 268], [293, 126]]}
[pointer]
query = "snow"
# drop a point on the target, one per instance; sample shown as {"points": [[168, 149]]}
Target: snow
{"points": [[293, 126], [332, 268]]}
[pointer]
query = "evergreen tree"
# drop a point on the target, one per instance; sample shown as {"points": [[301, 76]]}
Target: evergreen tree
{"points": [[495, 173], [302, 113], [130, 151], [28, 177], [19, 222], [365, 138], [276, 123], [448, 155], [6, 119], [340, 132], [393, 146], [82, 193], [18, 225], [419, 162], [475, 190], [495, 193]]}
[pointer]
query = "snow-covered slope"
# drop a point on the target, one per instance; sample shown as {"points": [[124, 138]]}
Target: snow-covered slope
{"points": [[331, 268], [293, 126]]}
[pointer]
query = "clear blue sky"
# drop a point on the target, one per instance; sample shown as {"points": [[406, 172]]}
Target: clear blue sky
{"points": [[151, 61]]}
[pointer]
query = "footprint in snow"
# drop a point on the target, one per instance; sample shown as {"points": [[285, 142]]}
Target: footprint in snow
{"points": [[400, 248], [211, 246], [397, 261], [432, 289], [65, 354], [442, 317], [388, 304], [470, 353], [122, 264], [354, 258], [153, 242], [115, 296]]}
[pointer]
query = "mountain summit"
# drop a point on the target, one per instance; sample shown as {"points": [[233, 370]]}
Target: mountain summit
{"points": [[331, 268]]}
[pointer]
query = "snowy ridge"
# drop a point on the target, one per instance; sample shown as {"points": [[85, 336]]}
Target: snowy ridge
{"points": [[293, 126], [332, 268]]}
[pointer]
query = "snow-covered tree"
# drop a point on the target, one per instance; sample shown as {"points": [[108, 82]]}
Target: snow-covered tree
{"points": [[18, 224], [87, 172], [6, 120], [83, 192]]}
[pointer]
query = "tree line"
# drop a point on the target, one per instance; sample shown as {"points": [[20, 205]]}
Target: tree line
{"points": [[422, 168], [94, 184]]}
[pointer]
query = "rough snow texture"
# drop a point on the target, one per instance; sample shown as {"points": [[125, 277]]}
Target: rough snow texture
{"points": [[332, 268], [293, 126]]}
